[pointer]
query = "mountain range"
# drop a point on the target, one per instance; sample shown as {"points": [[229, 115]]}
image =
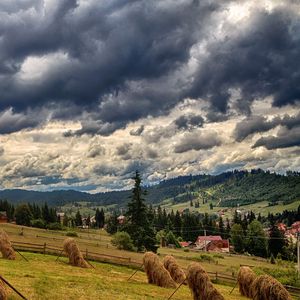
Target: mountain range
{"points": [[227, 189]]}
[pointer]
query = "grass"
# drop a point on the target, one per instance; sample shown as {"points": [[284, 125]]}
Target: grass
{"points": [[259, 207], [43, 278]]}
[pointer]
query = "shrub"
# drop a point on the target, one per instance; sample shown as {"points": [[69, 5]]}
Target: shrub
{"points": [[186, 250], [123, 241], [217, 255], [54, 226], [72, 233], [38, 223], [205, 257]]}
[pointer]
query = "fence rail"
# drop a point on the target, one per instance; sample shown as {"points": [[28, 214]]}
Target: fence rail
{"points": [[121, 260]]}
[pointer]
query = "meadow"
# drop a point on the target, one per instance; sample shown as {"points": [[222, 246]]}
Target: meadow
{"points": [[45, 278]]}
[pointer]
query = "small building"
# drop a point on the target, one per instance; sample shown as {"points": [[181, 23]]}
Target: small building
{"points": [[3, 217], [185, 244], [121, 219], [218, 246], [203, 240], [281, 227], [296, 226], [60, 217], [210, 242]]}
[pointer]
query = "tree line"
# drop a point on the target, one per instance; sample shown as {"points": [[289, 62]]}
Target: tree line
{"points": [[43, 216]]}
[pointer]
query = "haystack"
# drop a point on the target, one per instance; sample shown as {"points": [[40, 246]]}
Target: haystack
{"points": [[245, 278], [6, 247], [200, 284], [156, 272], [265, 287], [3, 293], [174, 269], [74, 254]]}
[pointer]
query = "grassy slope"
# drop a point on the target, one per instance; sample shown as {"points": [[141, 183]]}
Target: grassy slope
{"points": [[43, 278], [259, 207]]}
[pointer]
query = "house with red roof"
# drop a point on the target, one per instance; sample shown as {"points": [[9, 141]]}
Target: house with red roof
{"points": [[212, 243], [281, 227]]}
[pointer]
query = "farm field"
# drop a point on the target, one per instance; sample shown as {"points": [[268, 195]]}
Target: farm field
{"points": [[44, 278], [56, 277], [259, 207]]}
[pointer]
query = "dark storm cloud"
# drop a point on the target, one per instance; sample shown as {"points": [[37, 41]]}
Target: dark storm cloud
{"points": [[105, 46], [12, 122], [262, 59], [197, 141], [285, 139], [92, 127], [189, 121], [119, 61], [256, 124]]}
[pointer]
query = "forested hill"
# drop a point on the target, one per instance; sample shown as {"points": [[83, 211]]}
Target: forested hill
{"points": [[228, 189]]}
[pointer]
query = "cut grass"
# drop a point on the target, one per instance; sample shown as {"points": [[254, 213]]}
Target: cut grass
{"points": [[43, 278]]}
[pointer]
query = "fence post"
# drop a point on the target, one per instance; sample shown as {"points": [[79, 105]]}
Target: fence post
{"points": [[86, 253], [216, 276], [44, 251]]}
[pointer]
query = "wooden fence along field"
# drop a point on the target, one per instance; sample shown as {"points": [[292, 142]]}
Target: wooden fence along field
{"points": [[48, 248]]}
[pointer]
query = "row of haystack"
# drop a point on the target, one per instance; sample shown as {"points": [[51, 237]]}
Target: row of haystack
{"points": [[70, 247], [263, 287], [169, 273], [6, 247], [156, 272]]}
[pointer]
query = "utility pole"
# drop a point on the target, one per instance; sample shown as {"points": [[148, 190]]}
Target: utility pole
{"points": [[205, 240], [298, 252]]}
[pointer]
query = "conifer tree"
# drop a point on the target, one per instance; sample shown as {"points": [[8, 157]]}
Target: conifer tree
{"points": [[138, 225]]}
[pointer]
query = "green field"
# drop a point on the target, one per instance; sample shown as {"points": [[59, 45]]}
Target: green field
{"points": [[259, 207], [44, 278]]}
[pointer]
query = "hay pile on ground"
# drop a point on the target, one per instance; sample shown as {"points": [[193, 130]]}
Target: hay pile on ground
{"points": [[265, 287], [156, 272], [200, 284], [245, 278], [74, 254], [175, 271], [3, 293], [5, 246]]}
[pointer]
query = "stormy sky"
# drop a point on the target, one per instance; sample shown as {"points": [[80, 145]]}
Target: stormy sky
{"points": [[91, 91]]}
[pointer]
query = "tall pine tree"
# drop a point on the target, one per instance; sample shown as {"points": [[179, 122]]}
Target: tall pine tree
{"points": [[138, 225]]}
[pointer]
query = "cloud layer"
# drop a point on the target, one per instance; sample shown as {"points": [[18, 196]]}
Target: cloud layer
{"points": [[92, 90]]}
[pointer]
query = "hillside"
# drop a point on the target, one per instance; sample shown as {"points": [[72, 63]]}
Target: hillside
{"points": [[226, 189]]}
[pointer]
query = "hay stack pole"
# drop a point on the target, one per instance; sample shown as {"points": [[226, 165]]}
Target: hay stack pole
{"points": [[6, 247], [265, 287], [200, 284], [245, 278], [174, 269], [74, 254], [3, 293], [156, 272]]}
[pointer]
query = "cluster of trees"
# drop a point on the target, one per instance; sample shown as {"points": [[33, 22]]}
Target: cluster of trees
{"points": [[36, 216], [46, 217], [247, 233], [77, 221]]}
